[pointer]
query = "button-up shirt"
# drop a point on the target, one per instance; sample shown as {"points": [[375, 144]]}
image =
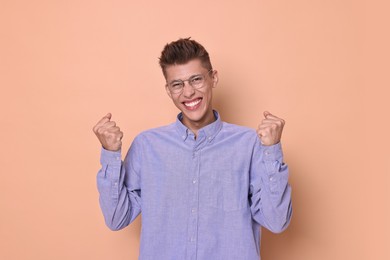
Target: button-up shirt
{"points": [[201, 198]]}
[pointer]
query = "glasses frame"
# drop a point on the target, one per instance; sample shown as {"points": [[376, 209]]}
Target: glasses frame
{"points": [[182, 82]]}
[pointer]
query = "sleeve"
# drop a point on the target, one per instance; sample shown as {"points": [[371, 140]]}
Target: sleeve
{"points": [[119, 188], [269, 191]]}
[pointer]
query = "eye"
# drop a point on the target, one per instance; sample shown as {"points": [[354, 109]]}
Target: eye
{"points": [[197, 79], [176, 85]]}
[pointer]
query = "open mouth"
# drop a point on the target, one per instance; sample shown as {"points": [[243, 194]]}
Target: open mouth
{"points": [[192, 104]]}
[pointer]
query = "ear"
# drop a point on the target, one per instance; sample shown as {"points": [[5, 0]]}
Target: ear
{"points": [[168, 92], [214, 77]]}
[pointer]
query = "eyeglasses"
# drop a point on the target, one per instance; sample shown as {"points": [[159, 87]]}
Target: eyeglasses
{"points": [[195, 81]]}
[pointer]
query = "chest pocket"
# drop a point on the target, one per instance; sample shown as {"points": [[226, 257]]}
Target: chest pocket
{"points": [[225, 189]]}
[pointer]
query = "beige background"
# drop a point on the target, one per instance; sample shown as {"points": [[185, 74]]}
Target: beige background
{"points": [[321, 65]]}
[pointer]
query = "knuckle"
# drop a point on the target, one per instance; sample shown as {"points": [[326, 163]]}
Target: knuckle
{"points": [[100, 130], [106, 133]]}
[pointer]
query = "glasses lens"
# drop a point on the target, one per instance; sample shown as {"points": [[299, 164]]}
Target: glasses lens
{"points": [[176, 86], [197, 81]]}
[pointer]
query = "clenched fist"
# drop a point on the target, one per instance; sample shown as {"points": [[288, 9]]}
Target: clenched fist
{"points": [[109, 135], [270, 129]]}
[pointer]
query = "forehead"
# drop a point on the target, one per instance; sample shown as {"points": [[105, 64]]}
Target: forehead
{"points": [[184, 71]]}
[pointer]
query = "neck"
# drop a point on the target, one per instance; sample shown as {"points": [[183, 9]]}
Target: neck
{"points": [[195, 126]]}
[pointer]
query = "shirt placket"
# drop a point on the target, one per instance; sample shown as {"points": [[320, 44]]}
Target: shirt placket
{"points": [[194, 200]]}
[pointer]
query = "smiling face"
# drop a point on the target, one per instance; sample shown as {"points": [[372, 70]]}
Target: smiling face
{"points": [[195, 104]]}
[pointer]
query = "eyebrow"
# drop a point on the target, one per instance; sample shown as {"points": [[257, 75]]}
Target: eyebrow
{"points": [[176, 80], [180, 80]]}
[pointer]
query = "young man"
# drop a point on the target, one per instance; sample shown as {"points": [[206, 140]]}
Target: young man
{"points": [[205, 187]]}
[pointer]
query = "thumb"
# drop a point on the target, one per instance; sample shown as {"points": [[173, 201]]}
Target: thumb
{"points": [[266, 113], [108, 116]]}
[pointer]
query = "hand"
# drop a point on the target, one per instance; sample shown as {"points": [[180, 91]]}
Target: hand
{"points": [[109, 135], [270, 129]]}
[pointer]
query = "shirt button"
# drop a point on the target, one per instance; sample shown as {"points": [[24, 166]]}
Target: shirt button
{"points": [[193, 210], [193, 181], [192, 239], [118, 158]]}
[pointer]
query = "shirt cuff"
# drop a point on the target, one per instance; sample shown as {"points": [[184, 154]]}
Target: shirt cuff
{"points": [[110, 157], [272, 152]]}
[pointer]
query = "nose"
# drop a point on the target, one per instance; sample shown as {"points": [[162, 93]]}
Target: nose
{"points": [[188, 90]]}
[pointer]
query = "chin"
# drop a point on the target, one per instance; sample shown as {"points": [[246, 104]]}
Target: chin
{"points": [[194, 117]]}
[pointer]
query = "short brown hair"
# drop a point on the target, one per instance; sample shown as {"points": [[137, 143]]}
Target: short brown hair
{"points": [[182, 51]]}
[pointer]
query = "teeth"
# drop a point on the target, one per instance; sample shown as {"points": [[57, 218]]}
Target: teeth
{"points": [[192, 104]]}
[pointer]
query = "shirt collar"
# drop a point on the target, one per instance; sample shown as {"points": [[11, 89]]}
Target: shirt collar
{"points": [[210, 130]]}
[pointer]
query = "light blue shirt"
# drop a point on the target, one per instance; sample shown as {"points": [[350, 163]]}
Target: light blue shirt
{"points": [[203, 198]]}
